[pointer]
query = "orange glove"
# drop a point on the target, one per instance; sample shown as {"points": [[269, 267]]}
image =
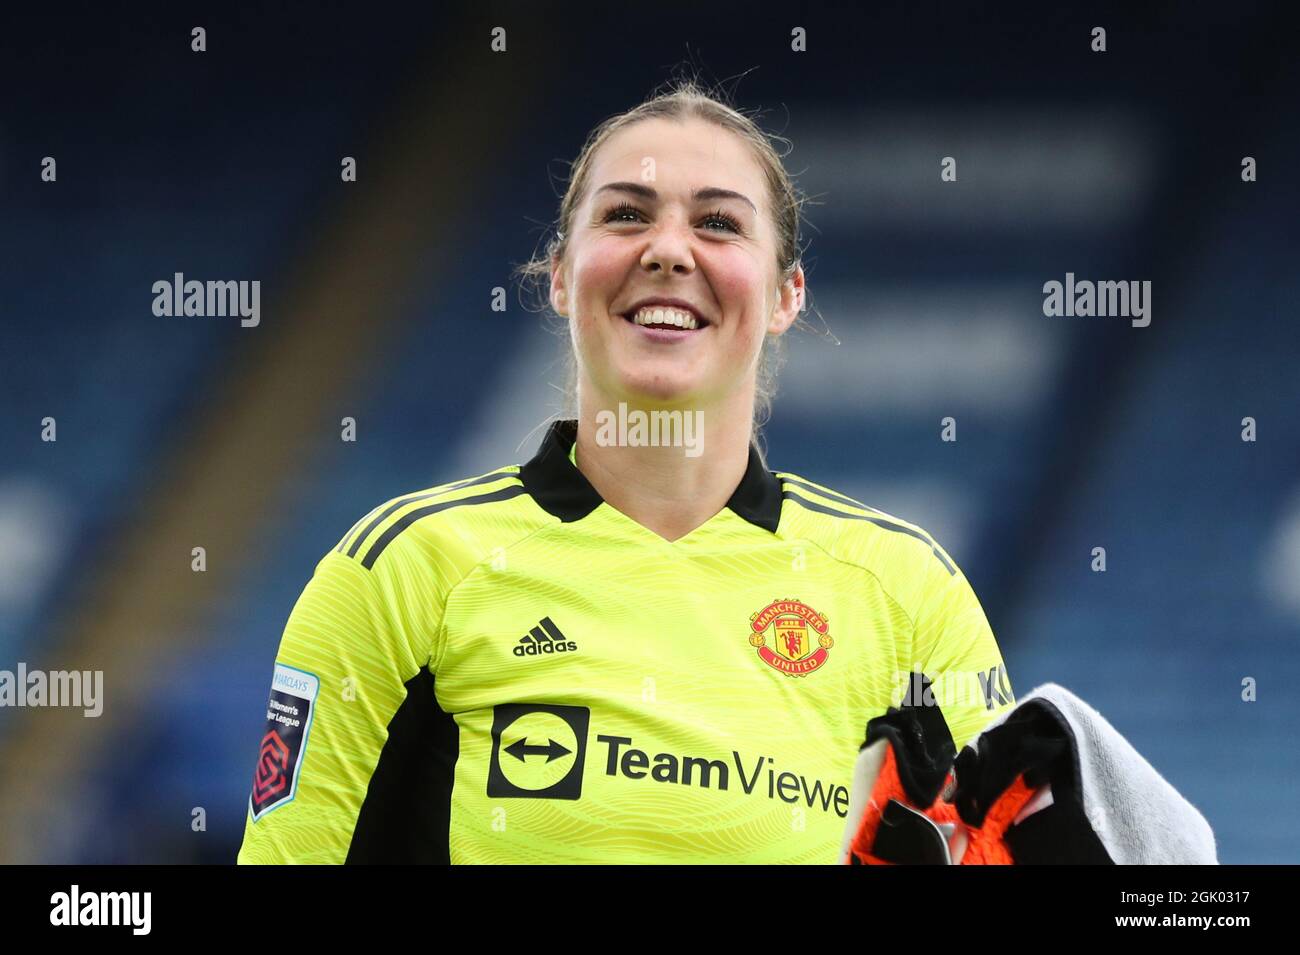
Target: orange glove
{"points": [[906, 794], [894, 830]]}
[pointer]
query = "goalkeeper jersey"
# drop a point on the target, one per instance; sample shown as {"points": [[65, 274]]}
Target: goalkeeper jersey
{"points": [[507, 669]]}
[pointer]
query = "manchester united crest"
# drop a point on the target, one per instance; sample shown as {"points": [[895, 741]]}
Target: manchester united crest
{"points": [[791, 636]]}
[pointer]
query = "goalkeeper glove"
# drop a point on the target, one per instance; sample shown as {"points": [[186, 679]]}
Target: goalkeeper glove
{"points": [[915, 801]]}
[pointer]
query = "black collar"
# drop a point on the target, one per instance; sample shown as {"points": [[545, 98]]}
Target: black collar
{"points": [[561, 489]]}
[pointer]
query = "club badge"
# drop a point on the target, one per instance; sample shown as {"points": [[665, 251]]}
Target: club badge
{"points": [[800, 637]]}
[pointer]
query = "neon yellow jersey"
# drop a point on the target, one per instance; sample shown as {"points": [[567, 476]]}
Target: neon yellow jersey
{"points": [[507, 669]]}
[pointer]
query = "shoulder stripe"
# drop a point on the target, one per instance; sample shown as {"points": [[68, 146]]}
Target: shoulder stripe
{"points": [[348, 536], [879, 522], [808, 486], [401, 502], [410, 517]]}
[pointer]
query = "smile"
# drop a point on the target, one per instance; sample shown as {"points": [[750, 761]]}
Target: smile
{"points": [[664, 322]]}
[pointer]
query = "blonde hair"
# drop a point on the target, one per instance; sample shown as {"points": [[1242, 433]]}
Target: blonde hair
{"points": [[685, 99]]}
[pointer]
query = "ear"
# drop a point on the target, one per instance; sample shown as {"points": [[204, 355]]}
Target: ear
{"points": [[559, 292], [789, 304]]}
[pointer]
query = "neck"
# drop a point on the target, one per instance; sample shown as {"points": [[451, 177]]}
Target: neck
{"points": [[670, 489]]}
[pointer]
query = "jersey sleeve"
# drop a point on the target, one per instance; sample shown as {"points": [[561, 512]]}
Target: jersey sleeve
{"points": [[954, 646], [340, 675]]}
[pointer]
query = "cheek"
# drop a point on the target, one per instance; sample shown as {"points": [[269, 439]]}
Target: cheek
{"points": [[738, 281], [599, 270], [595, 278]]}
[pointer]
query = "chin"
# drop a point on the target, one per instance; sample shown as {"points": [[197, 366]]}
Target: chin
{"points": [[678, 392]]}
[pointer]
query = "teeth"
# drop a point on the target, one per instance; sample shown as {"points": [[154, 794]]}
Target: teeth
{"points": [[657, 315]]}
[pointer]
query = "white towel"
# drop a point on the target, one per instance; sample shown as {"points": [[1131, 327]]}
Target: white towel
{"points": [[1137, 815]]}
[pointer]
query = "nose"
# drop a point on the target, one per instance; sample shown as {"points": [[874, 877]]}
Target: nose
{"points": [[668, 248]]}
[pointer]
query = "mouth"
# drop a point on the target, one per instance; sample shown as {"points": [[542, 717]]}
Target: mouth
{"points": [[666, 319]]}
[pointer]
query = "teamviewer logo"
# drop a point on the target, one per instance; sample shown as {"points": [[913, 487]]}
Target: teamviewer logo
{"points": [[538, 751]]}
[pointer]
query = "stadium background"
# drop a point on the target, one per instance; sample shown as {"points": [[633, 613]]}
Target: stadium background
{"points": [[1072, 432]]}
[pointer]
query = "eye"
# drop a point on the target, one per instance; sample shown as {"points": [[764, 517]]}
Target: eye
{"points": [[623, 208], [725, 218]]}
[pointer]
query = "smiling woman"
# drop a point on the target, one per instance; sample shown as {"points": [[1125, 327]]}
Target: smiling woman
{"points": [[740, 198], [685, 244], [500, 669]]}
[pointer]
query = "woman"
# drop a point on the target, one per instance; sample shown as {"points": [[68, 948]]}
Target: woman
{"points": [[641, 645]]}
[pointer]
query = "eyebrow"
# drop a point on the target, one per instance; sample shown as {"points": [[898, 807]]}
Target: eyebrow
{"points": [[699, 195]]}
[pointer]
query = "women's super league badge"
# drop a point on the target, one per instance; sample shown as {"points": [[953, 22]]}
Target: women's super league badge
{"points": [[801, 638], [288, 721]]}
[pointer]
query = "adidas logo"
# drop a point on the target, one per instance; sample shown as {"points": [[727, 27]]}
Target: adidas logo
{"points": [[544, 638]]}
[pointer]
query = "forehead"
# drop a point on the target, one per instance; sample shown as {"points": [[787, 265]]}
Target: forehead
{"points": [[687, 154]]}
